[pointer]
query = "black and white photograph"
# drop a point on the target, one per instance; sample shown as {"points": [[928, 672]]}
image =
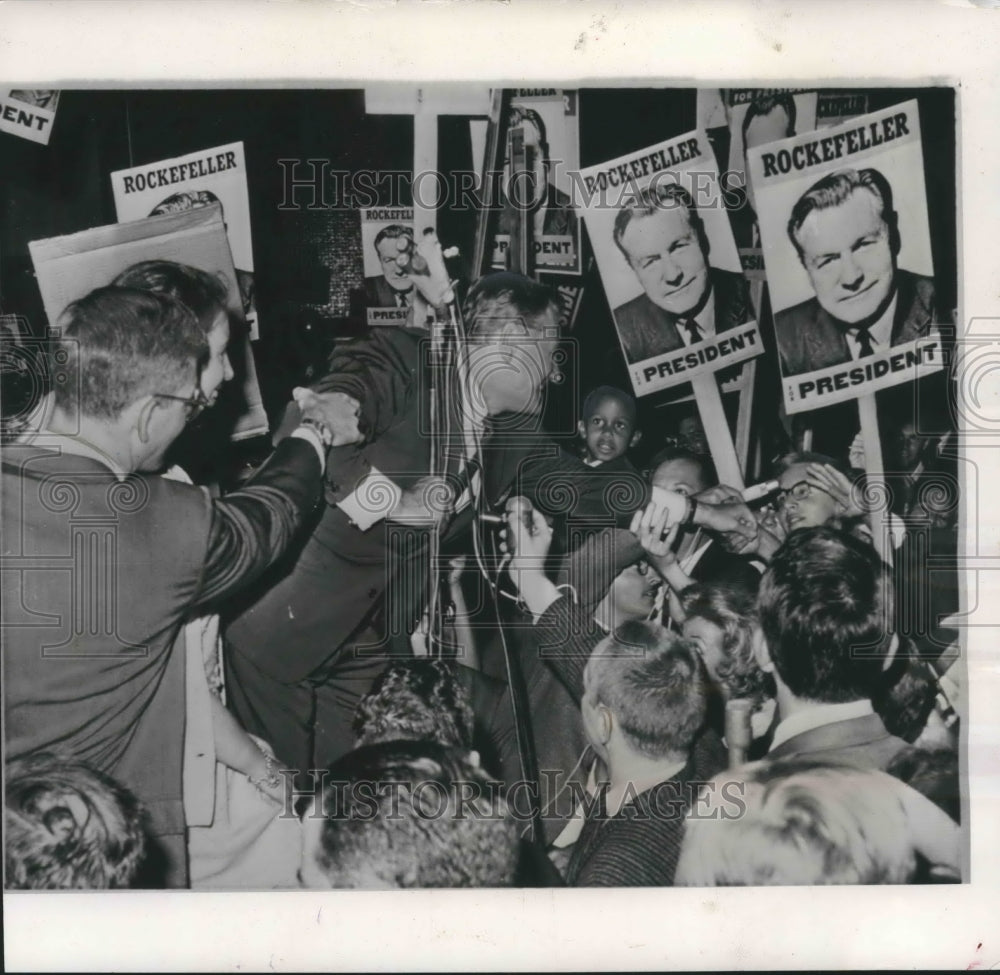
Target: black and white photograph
{"points": [[382, 571]]}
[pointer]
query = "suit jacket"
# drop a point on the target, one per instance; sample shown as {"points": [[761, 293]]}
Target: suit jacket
{"points": [[809, 338], [99, 574], [863, 742], [641, 844], [646, 330], [303, 614], [379, 293]]}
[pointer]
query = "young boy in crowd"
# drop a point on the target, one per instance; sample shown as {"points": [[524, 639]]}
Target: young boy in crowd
{"points": [[608, 427]]}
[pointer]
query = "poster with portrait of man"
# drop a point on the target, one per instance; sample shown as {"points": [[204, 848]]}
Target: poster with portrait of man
{"points": [[541, 199], [758, 116], [843, 220], [199, 179], [70, 267], [668, 263], [29, 113], [388, 292]]}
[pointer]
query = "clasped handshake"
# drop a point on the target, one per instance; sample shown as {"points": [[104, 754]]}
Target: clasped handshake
{"points": [[721, 509]]}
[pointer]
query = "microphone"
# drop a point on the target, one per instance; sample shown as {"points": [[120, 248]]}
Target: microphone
{"points": [[524, 510]]}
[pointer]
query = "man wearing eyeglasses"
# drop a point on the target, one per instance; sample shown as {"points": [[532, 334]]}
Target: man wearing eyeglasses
{"points": [[103, 564], [844, 230]]}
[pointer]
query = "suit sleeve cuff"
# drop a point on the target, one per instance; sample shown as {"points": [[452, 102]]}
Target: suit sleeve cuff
{"points": [[309, 434], [371, 501]]}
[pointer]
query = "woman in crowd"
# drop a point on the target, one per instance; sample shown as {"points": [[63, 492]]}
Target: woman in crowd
{"points": [[720, 620]]}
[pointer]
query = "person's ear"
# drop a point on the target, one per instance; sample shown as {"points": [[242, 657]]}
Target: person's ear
{"points": [[581, 428], [145, 416], [636, 437], [605, 723], [761, 653], [890, 654]]}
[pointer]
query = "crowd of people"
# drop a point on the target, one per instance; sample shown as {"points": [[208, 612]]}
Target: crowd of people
{"points": [[634, 677]]}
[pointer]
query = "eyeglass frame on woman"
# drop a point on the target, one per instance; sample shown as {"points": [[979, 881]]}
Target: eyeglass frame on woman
{"points": [[781, 495], [195, 404]]}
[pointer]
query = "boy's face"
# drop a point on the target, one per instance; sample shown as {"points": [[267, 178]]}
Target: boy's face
{"points": [[608, 432]]}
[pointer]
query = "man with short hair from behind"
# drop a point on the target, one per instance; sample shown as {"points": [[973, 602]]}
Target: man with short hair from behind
{"points": [[100, 676], [826, 611], [643, 704], [408, 814]]}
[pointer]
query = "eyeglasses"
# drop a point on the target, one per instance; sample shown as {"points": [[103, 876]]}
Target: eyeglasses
{"points": [[799, 492], [194, 404]]}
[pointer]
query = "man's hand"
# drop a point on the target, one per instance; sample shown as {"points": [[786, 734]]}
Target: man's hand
{"points": [[423, 262], [651, 529], [526, 539], [338, 412], [720, 494], [770, 536], [428, 504], [722, 509]]}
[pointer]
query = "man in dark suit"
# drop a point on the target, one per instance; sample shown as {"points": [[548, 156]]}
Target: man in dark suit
{"points": [[845, 232], [826, 606], [103, 563], [310, 642], [663, 239], [393, 287]]}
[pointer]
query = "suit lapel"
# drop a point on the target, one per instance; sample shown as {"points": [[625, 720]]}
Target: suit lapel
{"points": [[657, 324], [731, 305], [825, 342], [914, 316]]}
